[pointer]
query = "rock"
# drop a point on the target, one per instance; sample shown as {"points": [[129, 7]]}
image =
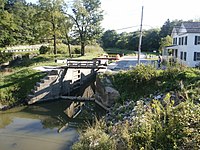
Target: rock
{"points": [[3, 107], [105, 92]]}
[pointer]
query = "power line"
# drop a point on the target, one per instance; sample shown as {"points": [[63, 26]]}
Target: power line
{"points": [[127, 28]]}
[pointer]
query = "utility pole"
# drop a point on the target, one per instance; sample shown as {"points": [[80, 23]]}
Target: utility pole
{"points": [[140, 39]]}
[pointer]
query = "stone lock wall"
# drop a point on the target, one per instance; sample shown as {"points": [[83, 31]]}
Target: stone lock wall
{"points": [[105, 92]]}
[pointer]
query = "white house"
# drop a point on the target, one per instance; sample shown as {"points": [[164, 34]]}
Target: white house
{"points": [[186, 44]]}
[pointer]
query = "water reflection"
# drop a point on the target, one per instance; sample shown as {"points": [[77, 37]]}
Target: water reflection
{"points": [[36, 127]]}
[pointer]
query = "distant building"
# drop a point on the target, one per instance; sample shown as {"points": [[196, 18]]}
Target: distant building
{"points": [[186, 44]]}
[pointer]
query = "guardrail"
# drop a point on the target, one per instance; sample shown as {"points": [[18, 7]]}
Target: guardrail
{"points": [[81, 63], [26, 48]]}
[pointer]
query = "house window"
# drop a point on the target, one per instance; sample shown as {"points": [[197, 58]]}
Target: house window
{"points": [[176, 53], [197, 40], [181, 56], [182, 40], [186, 40], [174, 41], [196, 56], [179, 41], [185, 55]]}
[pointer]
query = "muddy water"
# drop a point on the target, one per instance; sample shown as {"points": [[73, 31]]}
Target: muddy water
{"points": [[36, 128]]}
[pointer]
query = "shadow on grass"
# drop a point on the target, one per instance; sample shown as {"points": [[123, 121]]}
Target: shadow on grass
{"points": [[26, 62], [20, 83]]}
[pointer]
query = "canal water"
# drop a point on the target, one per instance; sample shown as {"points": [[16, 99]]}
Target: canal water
{"points": [[37, 127]]}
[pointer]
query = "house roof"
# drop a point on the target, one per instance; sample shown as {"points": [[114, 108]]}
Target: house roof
{"points": [[192, 27], [176, 29], [187, 27]]}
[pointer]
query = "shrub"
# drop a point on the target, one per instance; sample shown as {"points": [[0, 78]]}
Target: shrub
{"points": [[159, 125], [62, 49], [5, 57], [77, 51], [95, 138], [44, 49], [138, 82], [145, 80]]}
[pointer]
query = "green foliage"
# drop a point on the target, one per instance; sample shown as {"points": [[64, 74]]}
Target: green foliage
{"points": [[50, 12], [136, 81], [44, 49], [5, 57], [87, 16], [145, 80], [95, 138], [62, 49], [166, 41], [77, 51], [161, 126], [156, 125], [109, 39]]}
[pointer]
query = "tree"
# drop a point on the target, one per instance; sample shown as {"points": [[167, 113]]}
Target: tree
{"points": [[67, 26], [51, 12], [151, 40], [86, 16], [133, 40], [7, 26], [109, 39], [166, 29], [122, 40], [166, 41]]}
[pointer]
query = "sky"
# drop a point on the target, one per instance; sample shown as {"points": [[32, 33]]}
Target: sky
{"points": [[119, 14]]}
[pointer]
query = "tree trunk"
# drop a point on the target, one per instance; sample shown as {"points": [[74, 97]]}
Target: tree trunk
{"points": [[68, 44], [54, 39], [82, 48], [54, 44]]}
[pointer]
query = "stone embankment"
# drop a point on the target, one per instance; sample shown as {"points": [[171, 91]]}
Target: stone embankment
{"points": [[105, 92]]}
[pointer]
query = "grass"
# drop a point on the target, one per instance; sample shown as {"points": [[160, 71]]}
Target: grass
{"points": [[16, 86], [119, 51], [146, 80]]}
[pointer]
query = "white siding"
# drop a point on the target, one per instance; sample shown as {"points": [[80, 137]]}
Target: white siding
{"points": [[190, 48]]}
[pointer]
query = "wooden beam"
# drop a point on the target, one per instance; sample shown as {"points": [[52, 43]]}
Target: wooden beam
{"points": [[74, 98]]}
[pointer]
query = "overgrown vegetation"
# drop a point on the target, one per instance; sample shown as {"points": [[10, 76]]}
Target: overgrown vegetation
{"points": [[145, 80], [5, 57], [159, 110]]}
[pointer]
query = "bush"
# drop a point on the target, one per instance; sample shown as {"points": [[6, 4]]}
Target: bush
{"points": [[44, 49], [139, 82], [77, 51], [146, 80], [162, 126], [62, 49], [95, 138], [5, 57]]}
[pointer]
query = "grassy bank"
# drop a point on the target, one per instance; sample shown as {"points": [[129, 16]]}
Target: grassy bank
{"points": [[146, 80], [15, 86], [159, 109]]}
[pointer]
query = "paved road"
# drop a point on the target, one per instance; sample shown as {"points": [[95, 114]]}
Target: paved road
{"points": [[127, 62]]}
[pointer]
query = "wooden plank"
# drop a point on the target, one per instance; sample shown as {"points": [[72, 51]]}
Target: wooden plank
{"points": [[74, 98], [101, 105]]}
